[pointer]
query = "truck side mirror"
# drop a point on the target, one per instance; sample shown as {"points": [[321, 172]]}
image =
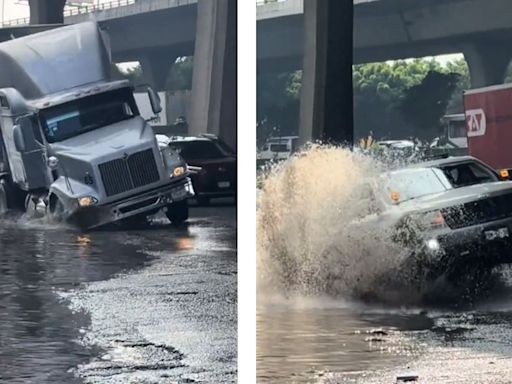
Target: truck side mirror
{"points": [[19, 141], [154, 99]]}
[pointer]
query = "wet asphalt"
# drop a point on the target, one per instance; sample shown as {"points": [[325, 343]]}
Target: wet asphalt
{"points": [[331, 340], [153, 304]]}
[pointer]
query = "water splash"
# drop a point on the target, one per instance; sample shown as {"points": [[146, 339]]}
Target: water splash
{"points": [[316, 234]]}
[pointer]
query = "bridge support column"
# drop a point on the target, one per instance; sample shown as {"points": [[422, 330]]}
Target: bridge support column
{"points": [[46, 11], [155, 68], [214, 82], [487, 63], [326, 110]]}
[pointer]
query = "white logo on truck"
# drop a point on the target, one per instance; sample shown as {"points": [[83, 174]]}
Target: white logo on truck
{"points": [[475, 119]]}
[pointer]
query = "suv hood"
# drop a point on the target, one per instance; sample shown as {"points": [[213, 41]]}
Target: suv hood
{"points": [[457, 196]]}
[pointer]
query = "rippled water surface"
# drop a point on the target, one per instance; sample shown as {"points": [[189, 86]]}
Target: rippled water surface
{"points": [[111, 306]]}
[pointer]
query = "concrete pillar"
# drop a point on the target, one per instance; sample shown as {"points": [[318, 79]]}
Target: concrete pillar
{"points": [[214, 81], [326, 110], [47, 11], [487, 63], [155, 68]]}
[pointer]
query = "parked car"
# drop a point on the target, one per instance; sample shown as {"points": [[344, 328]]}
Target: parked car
{"points": [[212, 163], [278, 148], [454, 214]]}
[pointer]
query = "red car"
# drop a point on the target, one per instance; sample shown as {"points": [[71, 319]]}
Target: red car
{"points": [[214, 163]]}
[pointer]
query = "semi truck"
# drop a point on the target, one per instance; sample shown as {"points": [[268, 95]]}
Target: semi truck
{"points": [[73, 145], [488, 113]]}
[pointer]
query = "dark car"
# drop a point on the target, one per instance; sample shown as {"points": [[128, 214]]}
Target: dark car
{"points": [[455, 214], [214, 165]]}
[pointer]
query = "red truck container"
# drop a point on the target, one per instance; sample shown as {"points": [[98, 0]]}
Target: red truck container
{"points": [[488, 114]]}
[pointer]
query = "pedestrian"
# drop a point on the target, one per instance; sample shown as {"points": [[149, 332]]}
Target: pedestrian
{"points": [[368, 142]]}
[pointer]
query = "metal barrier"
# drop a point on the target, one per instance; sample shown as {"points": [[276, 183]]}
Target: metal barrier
{"points": [[79, 10], [263, 2]]}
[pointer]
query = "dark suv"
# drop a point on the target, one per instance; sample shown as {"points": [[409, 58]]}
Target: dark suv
{"points": [[214, 165]]}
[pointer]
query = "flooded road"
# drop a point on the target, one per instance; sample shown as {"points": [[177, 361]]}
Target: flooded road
{"points": [[327, 340], [319, 257], [149, 305]]}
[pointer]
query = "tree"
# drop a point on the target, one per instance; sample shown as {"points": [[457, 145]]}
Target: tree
{"points": [[378, 92], [425, 103], [180, 76], [278, 101]]}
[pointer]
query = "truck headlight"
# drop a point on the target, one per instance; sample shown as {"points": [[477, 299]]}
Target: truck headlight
{"points": [[178, 171], [87, 201]]}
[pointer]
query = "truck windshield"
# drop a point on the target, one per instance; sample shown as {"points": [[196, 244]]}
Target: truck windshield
{"points": [[457, 129], [89, 113]]}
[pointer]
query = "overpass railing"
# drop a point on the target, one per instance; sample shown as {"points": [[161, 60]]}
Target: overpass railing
{"points": [[89, 8], [263, 2]]}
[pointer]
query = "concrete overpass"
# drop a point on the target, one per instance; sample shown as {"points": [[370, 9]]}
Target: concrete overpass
{"points": [[397, 29]]}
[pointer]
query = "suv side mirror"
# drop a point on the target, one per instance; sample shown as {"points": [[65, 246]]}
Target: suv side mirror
{"points": [[154, 99], [19, 141]]}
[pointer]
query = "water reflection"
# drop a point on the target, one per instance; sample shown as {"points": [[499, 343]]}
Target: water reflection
{"points": [[37, 329], [299, 341]]}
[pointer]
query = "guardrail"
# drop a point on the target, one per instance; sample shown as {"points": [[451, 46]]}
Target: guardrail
{"points": [[79, 10], [263, 2]]}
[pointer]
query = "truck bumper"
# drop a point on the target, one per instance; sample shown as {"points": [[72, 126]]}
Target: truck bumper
{"points": [[148, 202]]}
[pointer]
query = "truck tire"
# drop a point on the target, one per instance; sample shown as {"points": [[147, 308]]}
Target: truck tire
{"points": [[11, 198], [56, 211], [4, 205], [177, 212]]}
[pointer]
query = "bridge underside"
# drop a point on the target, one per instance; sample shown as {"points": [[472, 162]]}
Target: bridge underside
{"points": [[392, 29], [46, 11]]}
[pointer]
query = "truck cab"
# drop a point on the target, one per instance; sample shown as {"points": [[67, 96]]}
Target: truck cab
{"points": [[77, 147]]}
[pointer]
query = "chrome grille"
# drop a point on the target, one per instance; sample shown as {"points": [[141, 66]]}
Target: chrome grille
{"points": [[121, 175], [143, 168]]}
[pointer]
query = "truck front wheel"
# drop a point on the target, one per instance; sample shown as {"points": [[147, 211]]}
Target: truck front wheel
{"points": [[177, 212], [56, 210], [4, 205]]}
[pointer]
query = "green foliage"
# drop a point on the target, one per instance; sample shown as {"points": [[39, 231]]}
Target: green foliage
{"points": [[180, 76], [379, 89], [424, 104], [278, 101], [134, 74]]}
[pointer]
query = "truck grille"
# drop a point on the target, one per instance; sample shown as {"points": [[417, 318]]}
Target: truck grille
{"points": [[121, 175], [479, 212]]}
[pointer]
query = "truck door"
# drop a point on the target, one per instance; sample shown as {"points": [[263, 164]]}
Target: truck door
{"points": [[34, 156]]}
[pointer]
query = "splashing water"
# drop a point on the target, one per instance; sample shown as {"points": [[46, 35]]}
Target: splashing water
{"points": [[315, 233]]}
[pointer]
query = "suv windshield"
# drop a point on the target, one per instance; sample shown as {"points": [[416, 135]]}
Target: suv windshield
{"points": [[412, 183], [79, 116], [201, 149], [469, 173]]}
